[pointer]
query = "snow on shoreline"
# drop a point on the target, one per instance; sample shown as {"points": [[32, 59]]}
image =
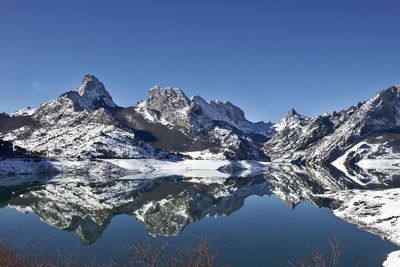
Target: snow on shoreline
{"points": [[376, 211], [131, 167], [191, 168], [393, 259]]}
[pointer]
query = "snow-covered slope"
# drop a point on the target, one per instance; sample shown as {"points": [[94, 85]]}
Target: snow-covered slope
{"points": [[216, 126], [171, 106], [377, 211], [28, 111], [291, 121], [381, 151], [78, 124], [86, 123], [325, 138]]}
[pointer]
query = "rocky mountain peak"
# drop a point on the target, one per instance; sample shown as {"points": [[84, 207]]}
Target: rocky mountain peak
{"points": [[167, 98], [292, 120], [170, 106], [384, 108], [92, 90], [292, 113]]}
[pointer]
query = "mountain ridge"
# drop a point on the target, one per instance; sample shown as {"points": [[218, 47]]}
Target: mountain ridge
{"points": [[87, 123]]}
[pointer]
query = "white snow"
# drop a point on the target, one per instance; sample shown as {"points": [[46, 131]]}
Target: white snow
{"points": [[134, 168], [141, 108], [92, 90], [204, 154], [28, 111], [385, 160], [377, 164], [205, 169], [175, 109], [377, 211], [393, 260], [339, 162]]}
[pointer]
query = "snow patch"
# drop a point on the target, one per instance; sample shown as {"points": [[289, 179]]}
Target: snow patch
{"points": [[393, 260]]}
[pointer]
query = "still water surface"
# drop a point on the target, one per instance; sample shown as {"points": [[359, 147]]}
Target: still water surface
{"points": [[242, 217]]}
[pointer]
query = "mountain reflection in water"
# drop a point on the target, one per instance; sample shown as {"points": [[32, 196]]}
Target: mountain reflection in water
{"points": [[165, 205]]}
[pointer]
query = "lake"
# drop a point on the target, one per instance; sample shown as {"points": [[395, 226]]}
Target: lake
{"points": [[263, 220]]}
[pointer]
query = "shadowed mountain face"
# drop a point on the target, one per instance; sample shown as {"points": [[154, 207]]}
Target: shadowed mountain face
{"points": [[167, 205], [169, 120], [323, 139]]}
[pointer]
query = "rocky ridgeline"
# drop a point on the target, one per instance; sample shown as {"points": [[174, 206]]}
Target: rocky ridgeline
{"points": [[325, 138], [86, 123]]}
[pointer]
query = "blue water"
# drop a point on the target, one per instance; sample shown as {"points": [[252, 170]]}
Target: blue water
{"points": [[263, 232]]}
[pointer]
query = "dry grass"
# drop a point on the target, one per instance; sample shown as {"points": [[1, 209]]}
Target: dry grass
{"points": [[142, 253], [147, 254]]}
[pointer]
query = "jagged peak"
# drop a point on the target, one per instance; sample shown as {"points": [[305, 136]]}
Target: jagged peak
{"points": [[158, 88], [91, 89], [198, 98], [292, 112], [90, 83], [159, 94], [394, 89], [292, 119]]}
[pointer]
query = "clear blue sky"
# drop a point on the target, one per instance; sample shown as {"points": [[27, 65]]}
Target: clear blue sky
{"points": [[265, 56]]}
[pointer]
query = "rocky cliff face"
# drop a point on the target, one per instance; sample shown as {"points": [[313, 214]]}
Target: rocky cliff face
{"points": [[172, 107], [324, 138], [216, 126]]}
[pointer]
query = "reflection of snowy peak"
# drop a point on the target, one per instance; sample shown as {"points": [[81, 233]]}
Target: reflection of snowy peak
{"points": [[168, 204], [324, 138], [168, 214], [165, 206]]}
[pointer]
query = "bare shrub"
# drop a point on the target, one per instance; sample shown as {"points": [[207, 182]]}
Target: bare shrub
{"points": [[319, 259], [142, 253], [147, 254]]}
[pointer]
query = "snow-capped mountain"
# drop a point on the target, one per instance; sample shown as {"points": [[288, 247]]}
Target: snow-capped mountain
{"points": [[171, 106], [181, 124], [86, 123], [292, 120], [327, 137], [78, 124]]}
